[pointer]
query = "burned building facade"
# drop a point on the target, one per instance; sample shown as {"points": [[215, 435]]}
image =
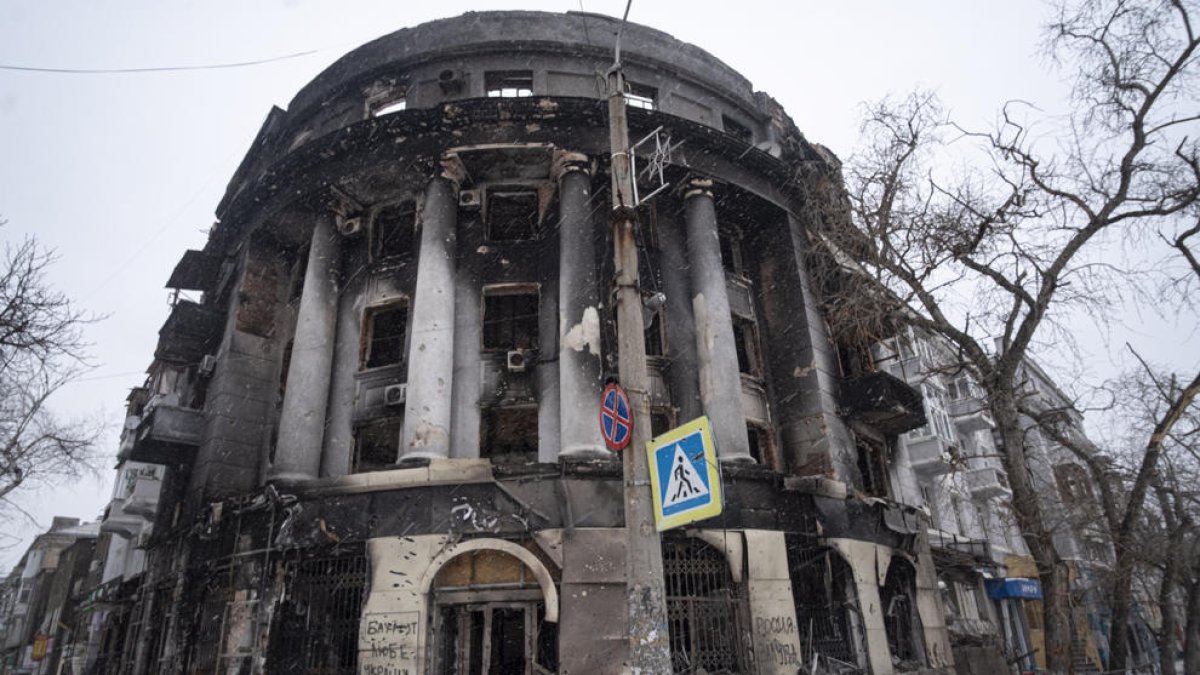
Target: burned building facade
{"points": [[378, 417]]}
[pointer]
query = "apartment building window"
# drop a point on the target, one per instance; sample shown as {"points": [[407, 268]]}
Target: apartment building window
{"points": [[389, 106], [706, 609], [510, 319], [731, 252], [377, 445], [508, 83], [383, 335], [661, 420], [512, 214], [762, 448], [393, 229], [509, 433], [872, 466], [641, 96], [1073, 483], [737, 129], [745, 342], [656, 337]]}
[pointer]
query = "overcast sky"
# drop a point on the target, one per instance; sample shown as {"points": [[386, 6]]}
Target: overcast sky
{"points": [[120, 173]]}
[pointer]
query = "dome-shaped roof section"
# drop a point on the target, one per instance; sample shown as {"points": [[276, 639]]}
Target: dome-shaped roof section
{"points": [[497, 30]]}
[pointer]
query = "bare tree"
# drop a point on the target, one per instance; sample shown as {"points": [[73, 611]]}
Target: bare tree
{"points": [[1006, 252], [41, 350]]}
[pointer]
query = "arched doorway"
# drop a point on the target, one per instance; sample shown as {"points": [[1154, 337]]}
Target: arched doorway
{"points": [[489, 617], [897, 599], [706, 609]]}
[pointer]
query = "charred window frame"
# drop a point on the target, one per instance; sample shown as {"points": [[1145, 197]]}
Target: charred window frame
{"points": [[509, 433], [730, 242], [641, 96], [512, 214], [656, 335], [824, 595], [510, 318], [383, 335], [508, 83], [872, 458], [393, 229], [388, 98], [745, 342], [737, 129], [662, 420], [762, 443], [377, 445], [897, 599], [1073, 484]]}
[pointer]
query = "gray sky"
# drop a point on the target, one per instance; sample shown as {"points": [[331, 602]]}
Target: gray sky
{"points": [[121, 172]]}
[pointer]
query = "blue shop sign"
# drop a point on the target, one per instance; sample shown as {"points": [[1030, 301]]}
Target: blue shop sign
{"points": [[1022, 589]]}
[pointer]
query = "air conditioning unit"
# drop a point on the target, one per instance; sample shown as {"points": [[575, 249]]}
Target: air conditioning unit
{"points": [[349, 226], [518, 360], [208, 363], [468, 199], [395, 394], [451, 81]]}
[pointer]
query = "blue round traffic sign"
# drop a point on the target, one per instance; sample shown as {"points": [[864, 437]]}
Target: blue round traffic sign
{"points": [[616, 417]]}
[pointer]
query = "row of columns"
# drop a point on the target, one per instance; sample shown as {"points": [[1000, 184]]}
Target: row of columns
{"points": [[429, 419]]}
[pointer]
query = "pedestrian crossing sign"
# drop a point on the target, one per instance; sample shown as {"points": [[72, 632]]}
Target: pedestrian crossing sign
{"points": [[684, 477]]}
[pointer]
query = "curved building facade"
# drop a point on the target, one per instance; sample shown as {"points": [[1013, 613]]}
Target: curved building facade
{"points": [[379, 421]]}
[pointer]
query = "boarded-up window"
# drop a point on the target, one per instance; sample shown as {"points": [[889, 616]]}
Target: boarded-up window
{"points": [[383, 343]]}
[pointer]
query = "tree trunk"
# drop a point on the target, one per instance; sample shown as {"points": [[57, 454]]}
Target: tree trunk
{"points": [[1052, 571], [1191, 649], [1122, 593]]}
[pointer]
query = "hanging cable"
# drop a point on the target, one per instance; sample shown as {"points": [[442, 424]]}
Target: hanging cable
{"points": [[156, 69]]}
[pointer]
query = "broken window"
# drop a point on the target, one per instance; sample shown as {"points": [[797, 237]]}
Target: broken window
{"points": [[512, 214], [660, 421], [1073, 483], [737, 129], [509, 433], [510, 319], [383, 335], [656, 337], [641, 96], [823, 592], [872, 466], [392, 230], [706, 609], [389, 106], [508, 83], [745, 342], [377, 445], [731, 252], [314, 628], [900, 620], [761, 444]]}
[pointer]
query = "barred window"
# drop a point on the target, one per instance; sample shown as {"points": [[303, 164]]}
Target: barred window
{"points": [[315, 626], [706, 610]]}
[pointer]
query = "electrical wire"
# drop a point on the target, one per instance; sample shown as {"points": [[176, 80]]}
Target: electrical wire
{"points": [[156, 69]]}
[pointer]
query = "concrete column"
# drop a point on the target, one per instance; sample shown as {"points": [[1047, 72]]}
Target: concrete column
{"points": [[720, 379], [769, 585], [547, 371], [680, 324], [468, 366], [339, 429], [427, 411], [302, 421], [580, 370]]}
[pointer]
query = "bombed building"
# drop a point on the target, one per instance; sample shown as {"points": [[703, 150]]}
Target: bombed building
{"points": [[377, 415]]}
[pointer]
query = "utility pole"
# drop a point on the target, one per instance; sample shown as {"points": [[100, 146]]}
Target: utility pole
{"points": [[649, 638]]}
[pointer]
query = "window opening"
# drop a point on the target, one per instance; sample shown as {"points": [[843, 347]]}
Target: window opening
{"points": [[512, 214], [389, 107], [731, 252], [377, 445], [641, 96], [384, 335], [761, 445], [899, 611], [737, 129], [872, 466], [509, 434], [660, 421], [825, 601], [393, 229], [1073, 483], [746, 344], [510, 320], [706, 610], [315, 625], [656, 338], [508, 83]]}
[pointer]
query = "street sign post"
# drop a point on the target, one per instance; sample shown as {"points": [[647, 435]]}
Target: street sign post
{"points": [[616, 417], [684, 476]]}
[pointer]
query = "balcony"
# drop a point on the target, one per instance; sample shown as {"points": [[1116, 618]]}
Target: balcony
{"points": [[121, 523], [988, 482], [142, 499], [166, 432], [191, 331], [930, 455], [884, 402], [971, 414]]}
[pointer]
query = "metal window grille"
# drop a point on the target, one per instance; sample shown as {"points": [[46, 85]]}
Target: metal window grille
{"points": [[821, 593], [208, 627], [154, 626], [706, 610], [899, 611], [315, 626]]}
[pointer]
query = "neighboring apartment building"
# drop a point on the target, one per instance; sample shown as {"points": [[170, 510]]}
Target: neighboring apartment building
{"points": [[41, 597], [374, 431]]}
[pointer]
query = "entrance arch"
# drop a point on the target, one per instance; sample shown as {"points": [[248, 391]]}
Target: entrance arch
{"points": [[544, 579]]}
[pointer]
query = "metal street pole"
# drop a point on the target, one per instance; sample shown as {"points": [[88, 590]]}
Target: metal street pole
{"points": [[649, 641]]}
